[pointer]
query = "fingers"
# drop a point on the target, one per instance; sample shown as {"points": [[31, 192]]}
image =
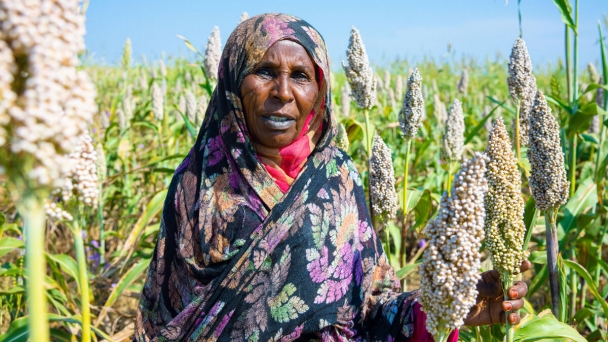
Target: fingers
{"points": [[512, 305], [525, 265], [518, 290], [514, 318]]}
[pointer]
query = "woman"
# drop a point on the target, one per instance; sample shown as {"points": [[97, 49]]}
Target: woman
{"points": [[265, 233]]}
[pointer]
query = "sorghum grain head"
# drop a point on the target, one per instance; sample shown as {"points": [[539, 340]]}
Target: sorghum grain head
{"points": [[213, 53], [412, 113], [382, 180], [520, 70], [547, 173], [358, 72], [453, 136]]}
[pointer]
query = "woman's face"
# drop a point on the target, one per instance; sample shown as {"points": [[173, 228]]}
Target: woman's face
{"points": [[279, 94]]}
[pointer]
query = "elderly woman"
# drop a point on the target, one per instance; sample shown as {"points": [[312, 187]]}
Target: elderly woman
{"points": [[265, 233]]}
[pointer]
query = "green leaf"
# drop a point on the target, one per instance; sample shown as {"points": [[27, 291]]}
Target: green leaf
{"points": [[17, 331], [423, 210], [66, 263], [581, 120], [590, 283], [189, 126], [77, 320], [589, 138], [583, 199], [481, 124], [538, 257], [502, 104], [546, 327], [127, 279], [563, 288], [407, 269], [188, 44], [558, 102], [566, 11], [530, 216], [9, 244], [154, 207]]}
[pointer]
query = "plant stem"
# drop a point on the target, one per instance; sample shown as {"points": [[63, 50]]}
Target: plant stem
{"points": [[517, 140], [368, 133], [408, 144], [552, 251], [572, 168], [31, 209], [84, 282], [102, 241], [507, 280], [449, 187], [568, 63]]}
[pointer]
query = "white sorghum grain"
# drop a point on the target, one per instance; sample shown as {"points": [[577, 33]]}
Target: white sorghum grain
{"points": [[358, 72], [157, 102], [453, 136], [213, 53], [547, 173], [191, 106], [463, 82], [412, 112], [450, 270], [382, 180]]}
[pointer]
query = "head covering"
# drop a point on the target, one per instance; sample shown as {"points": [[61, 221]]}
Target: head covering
{"points": [[237, 259]]}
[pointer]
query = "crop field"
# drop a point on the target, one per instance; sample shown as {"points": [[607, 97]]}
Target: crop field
{"points": [[98, 244]]}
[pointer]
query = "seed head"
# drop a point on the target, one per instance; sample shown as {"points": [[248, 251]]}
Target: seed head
{"points": [[547, 174], [81, 179], [342, 138], [46, 103], [213, 53], [450, 270], [191, 106], [122, 120], [520, 70], [345, 100], [463, 83], [594, 77], [440, 112], [382, 180], [399, 86], [158, 102], [244, 16], [410, 116], [126, 54], [504, 224], [527, 101], [387, 79], [358, 72], [181, 104], [201, 108], [453, 136]]}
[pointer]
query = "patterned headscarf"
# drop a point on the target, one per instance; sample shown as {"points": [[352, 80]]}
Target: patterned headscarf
{"points": [[238, 259]]}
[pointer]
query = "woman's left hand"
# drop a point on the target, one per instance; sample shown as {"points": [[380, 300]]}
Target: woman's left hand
{"points": [[491, 306]]}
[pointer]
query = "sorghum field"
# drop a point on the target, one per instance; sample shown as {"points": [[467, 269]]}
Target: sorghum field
{"points": [[543, 173]]}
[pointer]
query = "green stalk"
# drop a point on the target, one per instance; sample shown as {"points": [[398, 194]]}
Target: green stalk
{"points": [[573, 287], [507, 280], [599, 178], [31, 209], [102, 241], [84, 282], [450, 176], [408, 145], [517, 142], [574, 105], [568, 64], [368, 133], [442, 335], [552, 251]]}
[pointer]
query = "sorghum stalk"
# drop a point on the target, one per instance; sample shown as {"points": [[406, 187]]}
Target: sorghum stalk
{"points": [[603, 128], [81, 259], [31, 208]]}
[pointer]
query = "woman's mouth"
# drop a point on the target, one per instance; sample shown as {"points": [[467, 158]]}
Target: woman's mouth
{"points": [[278, 122]]}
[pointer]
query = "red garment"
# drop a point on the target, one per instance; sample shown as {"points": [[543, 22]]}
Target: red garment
{"points": [[420, 332]]}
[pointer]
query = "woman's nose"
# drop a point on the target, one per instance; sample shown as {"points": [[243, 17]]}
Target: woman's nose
{"points": [[283, 88]]}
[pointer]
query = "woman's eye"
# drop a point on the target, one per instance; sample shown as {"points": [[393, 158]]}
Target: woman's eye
{"points": [[300, 76], [263, 72]]}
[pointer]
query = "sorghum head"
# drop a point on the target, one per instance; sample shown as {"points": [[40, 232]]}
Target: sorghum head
{"points": [[412, 113], [358, 72], [382, 180]]}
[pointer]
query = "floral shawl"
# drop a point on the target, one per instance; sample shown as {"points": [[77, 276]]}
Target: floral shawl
{"points": [[237, 259]]}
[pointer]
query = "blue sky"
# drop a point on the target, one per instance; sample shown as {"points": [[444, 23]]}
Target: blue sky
{"points": [[390, 29]]}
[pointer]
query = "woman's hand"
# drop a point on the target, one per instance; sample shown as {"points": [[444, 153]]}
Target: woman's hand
{"points": [[491, 306]]}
